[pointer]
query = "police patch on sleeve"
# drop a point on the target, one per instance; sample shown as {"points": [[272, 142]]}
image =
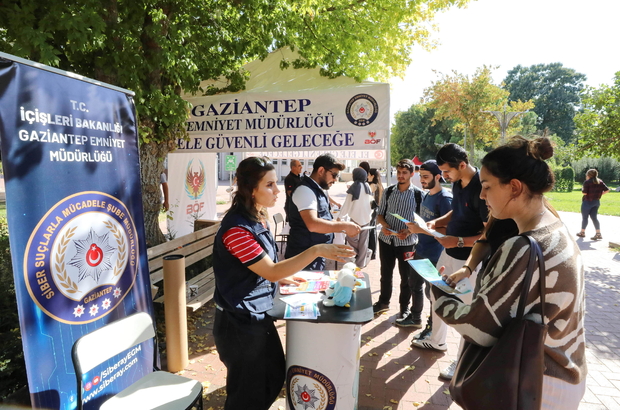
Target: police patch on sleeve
{"points": [[309, 389], [362, 110], [82, 258]]}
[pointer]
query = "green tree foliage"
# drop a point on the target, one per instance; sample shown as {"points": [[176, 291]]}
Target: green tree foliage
{"points": [[12, 366], [599, 122], [416, 133], [608, 168], [563, 153], [464, 99], [158, 48], [524, 124], [564, 179], [555, 91]]}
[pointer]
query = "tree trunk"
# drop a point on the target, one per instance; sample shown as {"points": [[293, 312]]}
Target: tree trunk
{"points": [[152, 156]]}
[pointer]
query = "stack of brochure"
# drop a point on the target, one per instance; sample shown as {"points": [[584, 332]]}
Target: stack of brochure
{"points": [[311, 286]]}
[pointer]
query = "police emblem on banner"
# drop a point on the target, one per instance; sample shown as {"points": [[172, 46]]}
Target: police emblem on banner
{"points": [[309, 389], [362, 110], [82, 258], [195, 180]]}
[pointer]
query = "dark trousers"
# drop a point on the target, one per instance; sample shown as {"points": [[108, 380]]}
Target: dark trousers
{"points": [[590, 209], [416, 285], [388, 255], [252, 353]]}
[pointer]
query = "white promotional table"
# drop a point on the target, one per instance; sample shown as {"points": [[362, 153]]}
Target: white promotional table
{"points": [[323, 355]]}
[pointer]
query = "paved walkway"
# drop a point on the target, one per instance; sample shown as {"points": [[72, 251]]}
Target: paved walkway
{"points": [[394, 376]]}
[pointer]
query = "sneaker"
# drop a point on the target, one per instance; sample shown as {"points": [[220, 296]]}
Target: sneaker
{"points": [[403, 315], [428, 344], [448, 372], [380, 308], [409, 321], [425, 334]]}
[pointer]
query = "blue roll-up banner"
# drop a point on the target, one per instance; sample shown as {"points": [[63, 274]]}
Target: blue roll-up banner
{"points": [[74, 209]]}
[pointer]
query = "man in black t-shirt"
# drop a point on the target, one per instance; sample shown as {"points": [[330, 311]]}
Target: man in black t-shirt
{"points": [[291, 181], [463, 226]]}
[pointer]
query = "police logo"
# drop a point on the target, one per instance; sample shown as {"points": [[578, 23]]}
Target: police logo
{"points": [[309, 389], [82, 258], [195, 180], [362, 110]]}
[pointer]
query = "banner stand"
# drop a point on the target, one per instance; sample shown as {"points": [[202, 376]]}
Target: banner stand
{"points": [[74, 209]]}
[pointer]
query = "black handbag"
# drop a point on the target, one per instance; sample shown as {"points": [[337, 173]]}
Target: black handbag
{"points": [[508, 375]]}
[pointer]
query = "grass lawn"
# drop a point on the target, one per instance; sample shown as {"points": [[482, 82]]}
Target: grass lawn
{"points": [[571, 201]]}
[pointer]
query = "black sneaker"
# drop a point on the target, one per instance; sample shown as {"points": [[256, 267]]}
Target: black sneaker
{"points": [[424, 334], [409, 321], [380, 308], [403, 314]]}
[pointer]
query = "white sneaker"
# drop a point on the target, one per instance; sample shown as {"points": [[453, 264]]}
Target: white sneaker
{"points": [[428, 344], [425, 334], [448, 372]]}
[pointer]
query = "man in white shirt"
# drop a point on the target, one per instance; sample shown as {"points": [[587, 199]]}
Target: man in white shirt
{"points": [[415, 178], [310, 218]]}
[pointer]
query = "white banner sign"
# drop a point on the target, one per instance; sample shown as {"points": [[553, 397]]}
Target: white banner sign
{"points": [[192, 186], [349, 118]]}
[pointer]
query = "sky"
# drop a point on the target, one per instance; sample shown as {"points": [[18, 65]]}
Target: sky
{"points": [[582, 35]]}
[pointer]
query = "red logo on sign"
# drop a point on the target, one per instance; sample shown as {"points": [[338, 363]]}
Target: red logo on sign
{"points": [[379, 154], [372, 141], [94, 256]]}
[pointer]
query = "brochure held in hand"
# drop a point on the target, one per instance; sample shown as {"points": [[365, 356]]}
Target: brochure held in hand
{"points": [[427, 270]]}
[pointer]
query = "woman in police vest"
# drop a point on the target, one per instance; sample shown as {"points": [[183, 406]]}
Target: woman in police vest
{"points": [[246, 273]]}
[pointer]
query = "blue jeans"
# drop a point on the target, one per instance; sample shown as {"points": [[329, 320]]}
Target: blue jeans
{"points": [[590, 209]]}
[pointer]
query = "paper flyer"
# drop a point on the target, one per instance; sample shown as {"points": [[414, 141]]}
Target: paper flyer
{"points": [[421, 223], [301, 299], [313, 286], [310, 275], [302, 312], [425, 268]]}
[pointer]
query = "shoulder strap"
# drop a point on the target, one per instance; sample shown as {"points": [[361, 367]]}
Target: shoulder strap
{"points": [[535, 252], [388, 192], [417, 192]]}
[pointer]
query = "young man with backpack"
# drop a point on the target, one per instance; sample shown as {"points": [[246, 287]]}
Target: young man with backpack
{"points": [[396, 243], [436, 203]]}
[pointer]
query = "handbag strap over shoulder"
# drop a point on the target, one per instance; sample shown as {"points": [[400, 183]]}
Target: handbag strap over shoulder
{"points": [[535, 252]]}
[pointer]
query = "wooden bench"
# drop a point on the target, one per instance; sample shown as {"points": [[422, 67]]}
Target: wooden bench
{"points": [[195, 247]]}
